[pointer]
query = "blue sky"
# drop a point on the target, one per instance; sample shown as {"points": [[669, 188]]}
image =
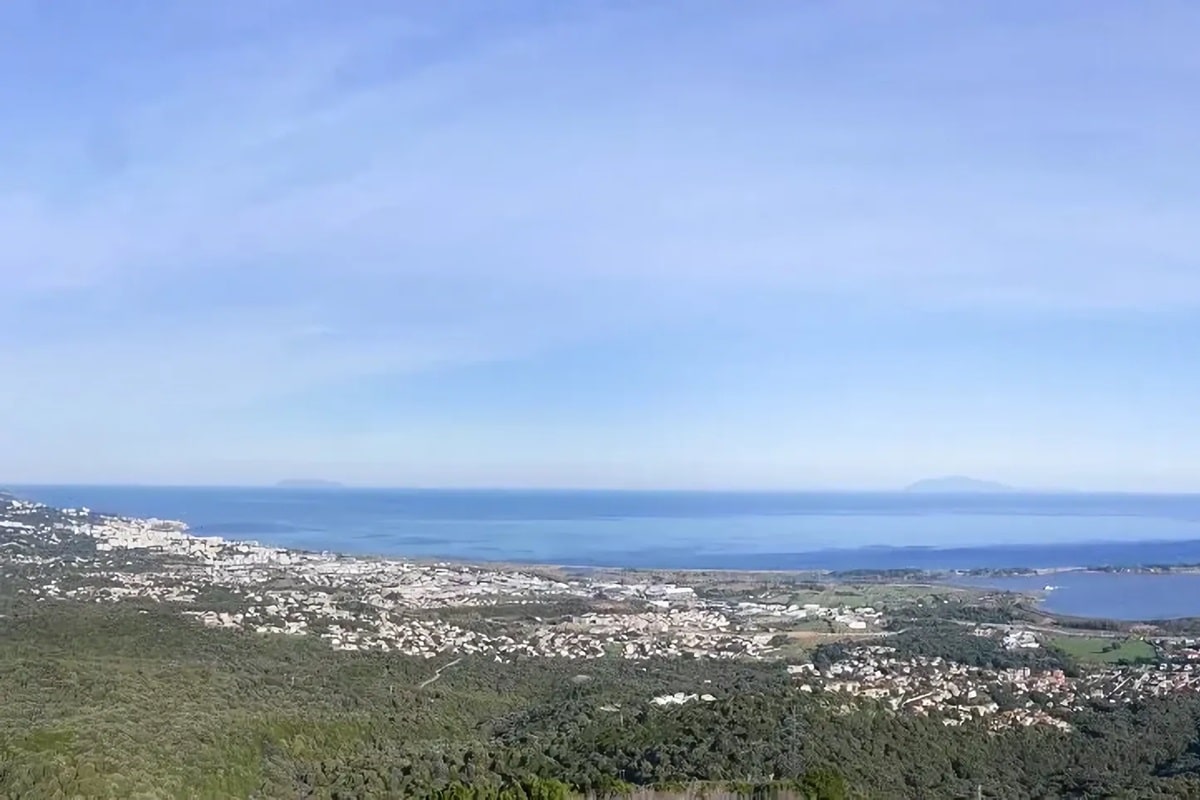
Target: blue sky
{"points": [[621, 244]]}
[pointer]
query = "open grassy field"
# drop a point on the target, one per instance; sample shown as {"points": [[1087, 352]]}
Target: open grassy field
{"points": [[1103, 650], [883, 596]]}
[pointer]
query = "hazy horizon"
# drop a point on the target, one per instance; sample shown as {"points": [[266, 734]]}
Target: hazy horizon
{"points": [[779, 490]]}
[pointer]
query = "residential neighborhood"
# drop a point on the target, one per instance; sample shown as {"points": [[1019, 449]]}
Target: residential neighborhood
{"points": [[447, 609]]}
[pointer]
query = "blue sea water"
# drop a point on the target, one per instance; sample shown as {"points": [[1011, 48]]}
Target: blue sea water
{"points": [[1123, 596], [684, 530]]}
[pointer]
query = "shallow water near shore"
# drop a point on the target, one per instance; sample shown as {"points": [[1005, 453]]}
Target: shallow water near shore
{"points": [[1119, 596], [681, 530]]}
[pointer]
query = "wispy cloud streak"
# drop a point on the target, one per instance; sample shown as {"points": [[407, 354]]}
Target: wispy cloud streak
{"points": [[192, 193]]}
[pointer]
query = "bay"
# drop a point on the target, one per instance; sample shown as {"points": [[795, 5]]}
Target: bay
{"points": [[1120, 596]]}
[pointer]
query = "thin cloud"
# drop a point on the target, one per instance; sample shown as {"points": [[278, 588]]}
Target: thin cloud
{"points": [[270, 205], [253, 162]]}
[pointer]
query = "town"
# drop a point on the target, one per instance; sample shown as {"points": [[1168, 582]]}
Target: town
{"points": [[505, 614], [386, 604], [1014, 696]]}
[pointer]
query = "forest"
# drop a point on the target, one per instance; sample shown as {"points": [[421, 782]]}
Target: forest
{"points": [[126, 701]]}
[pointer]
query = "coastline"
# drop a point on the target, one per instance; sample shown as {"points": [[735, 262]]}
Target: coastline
{"points": [[240, 562], [373, 605], [864, 534], [385, 604], [899, 572]]}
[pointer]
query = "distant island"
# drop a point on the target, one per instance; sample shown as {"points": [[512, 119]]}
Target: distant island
{"points": [[958, 484], [308, 483]]}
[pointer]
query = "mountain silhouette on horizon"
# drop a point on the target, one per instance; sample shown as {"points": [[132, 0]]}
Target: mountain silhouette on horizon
{"points": [[960, 484]]}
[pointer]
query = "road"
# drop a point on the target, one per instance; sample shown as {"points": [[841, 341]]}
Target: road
{"points": [[438, 674]]}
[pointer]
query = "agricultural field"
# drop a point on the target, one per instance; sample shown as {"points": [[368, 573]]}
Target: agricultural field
{"points": [[876, 595], [1104, 649]]}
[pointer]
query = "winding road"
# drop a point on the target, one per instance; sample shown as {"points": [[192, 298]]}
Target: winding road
{"points": [[438, 674]]}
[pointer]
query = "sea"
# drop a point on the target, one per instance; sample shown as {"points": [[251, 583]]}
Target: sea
{"points": [[838, 531], [680, 530], [1106, 595]]}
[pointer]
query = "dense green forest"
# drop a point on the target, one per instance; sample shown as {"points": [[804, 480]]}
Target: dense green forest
{"points": [[121, 701]]}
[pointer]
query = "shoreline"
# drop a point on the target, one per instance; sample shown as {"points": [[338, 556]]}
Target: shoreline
{"points": [[865, 574], [894, 534], [1032, 600], [429, 606], [389, 604], [904, 574], [1010, 569]]}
